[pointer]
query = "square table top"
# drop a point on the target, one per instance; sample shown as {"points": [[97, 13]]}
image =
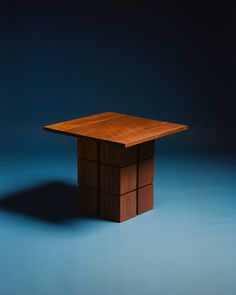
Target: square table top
{"points": [[119, 128]]}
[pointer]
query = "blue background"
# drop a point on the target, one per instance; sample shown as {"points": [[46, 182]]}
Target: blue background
{"points": [[166, 61]]}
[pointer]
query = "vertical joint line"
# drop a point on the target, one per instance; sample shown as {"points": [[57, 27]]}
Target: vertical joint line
{"points": [[137, 179], [98, 178], [77, 159]]}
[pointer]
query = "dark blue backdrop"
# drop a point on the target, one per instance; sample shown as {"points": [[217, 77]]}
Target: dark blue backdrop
{"points": [[160, 59], [61, 60]]}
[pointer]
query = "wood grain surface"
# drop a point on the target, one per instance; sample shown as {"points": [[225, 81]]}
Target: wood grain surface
{"points": [[119, 128], [117, 155], [145, 199], [116, 180], [145, 172], [118, 208], [88, 173], [87, 149], [146, 150]]}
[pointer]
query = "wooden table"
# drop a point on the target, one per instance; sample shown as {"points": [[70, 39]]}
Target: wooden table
{"points": [[115, 162]]}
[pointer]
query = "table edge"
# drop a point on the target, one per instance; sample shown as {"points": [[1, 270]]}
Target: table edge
{"points": [[133, 143]]}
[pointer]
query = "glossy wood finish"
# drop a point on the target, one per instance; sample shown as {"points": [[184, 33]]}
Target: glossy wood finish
{"points": [[88, 174], [117, 155], [87, 149], [117, 128], [145, 199], [118, 208], [145, 177], [88, 178], [118, 181], [115, 162], [146, 150], [145, 172]]}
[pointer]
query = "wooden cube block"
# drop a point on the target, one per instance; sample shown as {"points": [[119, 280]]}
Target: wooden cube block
{"points": [[88, 201], [87, 149], [117, 155], [146, 150], [145, 199], [88, 174], [145, 172], [118, 181], [118, 208]]}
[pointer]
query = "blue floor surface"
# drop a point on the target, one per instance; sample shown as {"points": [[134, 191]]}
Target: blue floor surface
{"points": [[185, 246]]}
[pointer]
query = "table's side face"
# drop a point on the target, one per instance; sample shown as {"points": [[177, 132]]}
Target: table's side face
{"points": [[118, 128]]}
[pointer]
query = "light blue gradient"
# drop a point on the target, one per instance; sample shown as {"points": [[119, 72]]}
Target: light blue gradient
{"points": [[186, 245]]}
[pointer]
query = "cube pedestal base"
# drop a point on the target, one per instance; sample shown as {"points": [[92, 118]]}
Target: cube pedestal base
{"points": [[115, 183]]}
